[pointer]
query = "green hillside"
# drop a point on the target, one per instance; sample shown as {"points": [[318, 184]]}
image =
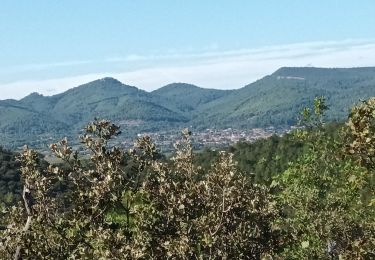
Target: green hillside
{"points": [[274, 100], [37, 117], [190, 97], [108, 98]]}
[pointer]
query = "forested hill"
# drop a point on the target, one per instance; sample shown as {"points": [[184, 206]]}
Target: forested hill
{"points": [[277, 99], [190, 97], [273, 100]]}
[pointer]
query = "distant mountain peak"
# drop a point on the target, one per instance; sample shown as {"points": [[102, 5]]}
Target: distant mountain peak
{"points": [[36, 94], [33, 95], [110, 80], [107, 83], [177, 88], [180, 85], [287, 71]]}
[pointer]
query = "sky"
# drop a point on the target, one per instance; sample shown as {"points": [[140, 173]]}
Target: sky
{"points": [[49, 46]]}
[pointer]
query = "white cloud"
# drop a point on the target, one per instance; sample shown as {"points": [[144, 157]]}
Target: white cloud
{"points": [[44, 66], [214, 69]]}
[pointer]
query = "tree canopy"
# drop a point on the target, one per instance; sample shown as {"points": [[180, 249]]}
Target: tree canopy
{"points": [[133, 205]]}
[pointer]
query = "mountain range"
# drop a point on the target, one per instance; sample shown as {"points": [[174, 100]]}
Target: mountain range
{"points": [[274, 100]]}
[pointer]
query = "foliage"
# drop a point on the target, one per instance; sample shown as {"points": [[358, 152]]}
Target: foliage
{"points": [[207, 215], [262, 159], [10, 177], [61, 226], [361, 131], [157, 210], [326, 197], [133, 205], [10, 185]]}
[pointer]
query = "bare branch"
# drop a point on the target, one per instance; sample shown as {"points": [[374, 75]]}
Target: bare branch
{"points": [[27, 199]]}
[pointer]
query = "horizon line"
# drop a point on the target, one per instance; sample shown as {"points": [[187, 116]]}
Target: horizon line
{"points": [[228, 69], [176, 82]]}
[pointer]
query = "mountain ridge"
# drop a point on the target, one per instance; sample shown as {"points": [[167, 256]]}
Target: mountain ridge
{"points": [[274, 100]]}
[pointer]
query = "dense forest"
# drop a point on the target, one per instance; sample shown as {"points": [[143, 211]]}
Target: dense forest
{"points": [[10, 177], [10, 183], [308, 195], [264, 158]]}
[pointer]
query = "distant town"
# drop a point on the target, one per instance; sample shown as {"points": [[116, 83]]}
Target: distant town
{"points": [[208, 138], [214, 138]]}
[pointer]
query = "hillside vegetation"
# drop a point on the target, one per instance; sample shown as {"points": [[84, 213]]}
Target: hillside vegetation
{"points": [[135, 205], [277, 99], [10, 182], [271, 101]]}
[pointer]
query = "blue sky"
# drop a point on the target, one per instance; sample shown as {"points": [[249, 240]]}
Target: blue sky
{"points": [[49, 46]]}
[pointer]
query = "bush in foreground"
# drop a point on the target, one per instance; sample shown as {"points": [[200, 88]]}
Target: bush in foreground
{"points": [[149, 210]]}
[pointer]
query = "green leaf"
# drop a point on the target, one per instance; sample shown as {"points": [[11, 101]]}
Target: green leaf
{"points": [[305, 244]]}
